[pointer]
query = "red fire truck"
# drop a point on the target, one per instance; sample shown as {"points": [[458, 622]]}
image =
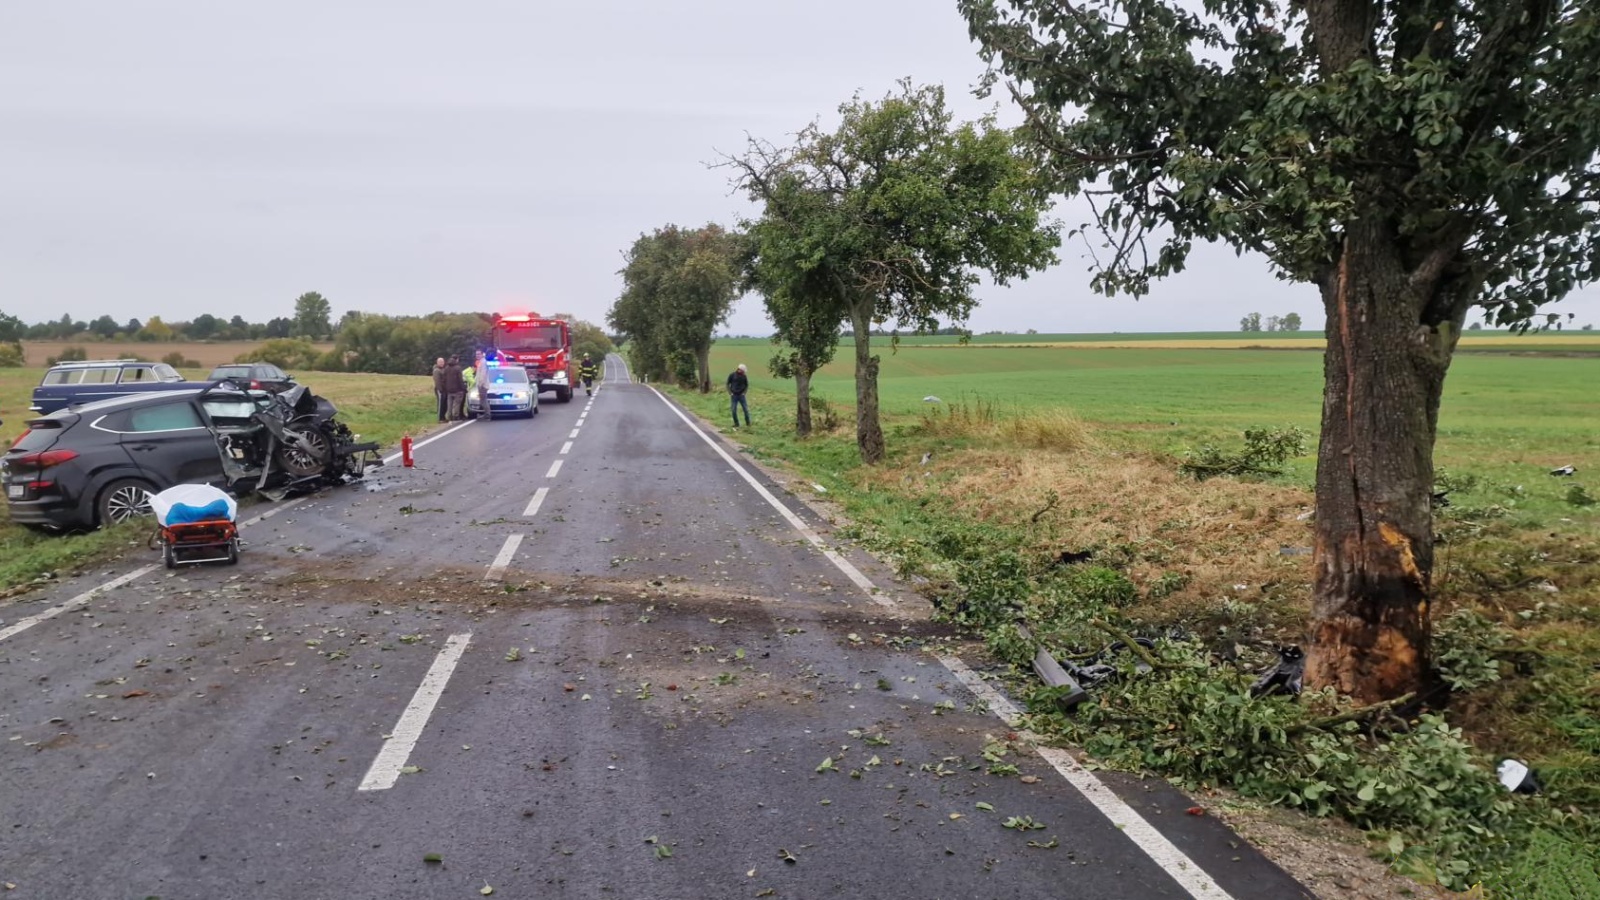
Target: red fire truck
{"points": [[542, 346]]}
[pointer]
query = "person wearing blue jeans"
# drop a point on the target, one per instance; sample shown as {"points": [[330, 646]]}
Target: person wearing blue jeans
{"points": [[738, 383]]}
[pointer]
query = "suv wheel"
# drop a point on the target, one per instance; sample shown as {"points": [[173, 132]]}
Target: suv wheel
{"points": [[123, 499]]}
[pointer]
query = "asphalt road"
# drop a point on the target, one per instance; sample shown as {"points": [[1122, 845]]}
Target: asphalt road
{"points": [[580, 656]]}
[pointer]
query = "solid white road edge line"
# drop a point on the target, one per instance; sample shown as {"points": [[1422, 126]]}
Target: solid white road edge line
{"points": [[843, 565], [74, 603], [1153, 843], [554, 468], [497, 569], [392, 757], [566, 448], [536, 502], [426, 441]]}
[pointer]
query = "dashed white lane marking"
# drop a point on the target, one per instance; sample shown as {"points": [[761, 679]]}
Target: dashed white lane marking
{"points": [[554, 468], [536, 502], [574, 433], [1153, 843], [584, 416], [497, 569], [396, 750], [74, 603], [844, 565], [566, 448]]}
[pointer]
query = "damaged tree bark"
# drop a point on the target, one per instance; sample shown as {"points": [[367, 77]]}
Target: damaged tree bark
{"points": [[1391, 331]]}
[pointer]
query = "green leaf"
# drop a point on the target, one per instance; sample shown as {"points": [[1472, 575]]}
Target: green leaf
{"points": [[827, 765], [432, 858], [984, 806]]}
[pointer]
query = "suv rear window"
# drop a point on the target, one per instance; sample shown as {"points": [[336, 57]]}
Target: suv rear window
{"points": [[134, 374]]}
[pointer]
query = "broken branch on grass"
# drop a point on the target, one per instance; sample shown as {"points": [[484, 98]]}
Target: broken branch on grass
{"points": [[1351, 715], [1051, 501], [1131, 644]]}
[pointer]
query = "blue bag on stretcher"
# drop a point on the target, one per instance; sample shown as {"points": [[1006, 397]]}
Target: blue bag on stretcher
{"points": [[186, 503]]}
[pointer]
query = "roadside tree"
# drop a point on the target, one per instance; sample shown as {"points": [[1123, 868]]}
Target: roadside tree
{"points": [[1413, 160], [804, 297], [902, 209], [312, 316], [678, 285]]}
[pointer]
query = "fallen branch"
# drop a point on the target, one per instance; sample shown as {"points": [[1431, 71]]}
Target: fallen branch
{"points": [[1351, 715], [1131, 644]]}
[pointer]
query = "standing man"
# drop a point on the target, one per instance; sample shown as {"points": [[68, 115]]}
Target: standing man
{"points": [[455, 385], [480, 382], [738, 383], [587, 371], [441, 393]]}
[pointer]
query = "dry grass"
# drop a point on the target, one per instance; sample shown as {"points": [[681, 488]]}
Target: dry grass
{"points": [[1054, 429], [1138, 513]]}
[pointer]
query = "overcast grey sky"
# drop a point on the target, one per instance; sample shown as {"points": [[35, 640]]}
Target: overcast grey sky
{"points": [[174, 158]]}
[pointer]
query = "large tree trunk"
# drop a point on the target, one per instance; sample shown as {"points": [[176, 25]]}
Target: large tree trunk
{"points": [[1383, 375], [802, 400], [869, 434]]}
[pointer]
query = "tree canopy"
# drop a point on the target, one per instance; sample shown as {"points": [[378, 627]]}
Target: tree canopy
{"points": [[892, 215], [312, 316], [678, 285]]}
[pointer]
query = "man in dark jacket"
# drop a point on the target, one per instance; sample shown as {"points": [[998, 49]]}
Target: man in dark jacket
{"points": [[455, 385], [440, 393], [738, 383]]}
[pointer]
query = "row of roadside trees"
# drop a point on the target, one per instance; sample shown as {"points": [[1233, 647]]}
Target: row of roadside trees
{"points": [[889, 217]]}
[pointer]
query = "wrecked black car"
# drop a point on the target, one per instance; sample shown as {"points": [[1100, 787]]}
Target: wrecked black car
{"points": [[97, 463]]}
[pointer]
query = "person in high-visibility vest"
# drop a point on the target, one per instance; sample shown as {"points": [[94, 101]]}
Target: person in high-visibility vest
{"points": [[469, 377], [587, 370]]}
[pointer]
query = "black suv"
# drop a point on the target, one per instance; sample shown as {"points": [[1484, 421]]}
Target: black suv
{"points": [[256, 376], [98, 463]]}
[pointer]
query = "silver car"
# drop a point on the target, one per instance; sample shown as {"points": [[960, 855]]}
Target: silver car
{"points": [[509, 393]]}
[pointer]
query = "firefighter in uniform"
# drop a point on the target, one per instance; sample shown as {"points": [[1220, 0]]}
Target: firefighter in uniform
{"points": [[587, 370]]}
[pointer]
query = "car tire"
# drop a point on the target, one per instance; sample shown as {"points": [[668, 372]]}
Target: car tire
{"points": [[564, 395], [121, 500]]}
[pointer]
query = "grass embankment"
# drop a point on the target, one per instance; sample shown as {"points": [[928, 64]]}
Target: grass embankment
{"points": [[1039, 451], [378, 407]]}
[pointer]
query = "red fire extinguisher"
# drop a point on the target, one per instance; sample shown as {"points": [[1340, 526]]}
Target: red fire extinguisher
{"points": [[405, 451]]}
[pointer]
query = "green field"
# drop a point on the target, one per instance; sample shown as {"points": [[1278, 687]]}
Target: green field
{"points": [[1508, 417]]}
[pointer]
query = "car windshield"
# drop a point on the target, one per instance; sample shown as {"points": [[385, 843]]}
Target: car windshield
{"points": [[512, 375], [527, 337]]}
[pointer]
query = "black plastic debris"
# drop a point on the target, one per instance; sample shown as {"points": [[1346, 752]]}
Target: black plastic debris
{"points": [[1096, 670], [1518, 777], [1072, 558], [1564, 470], [1285, 676], [1439, 499]]}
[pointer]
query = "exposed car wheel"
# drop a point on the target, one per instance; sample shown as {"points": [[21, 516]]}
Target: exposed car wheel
{"points": [[123, 499], [311, 459]]}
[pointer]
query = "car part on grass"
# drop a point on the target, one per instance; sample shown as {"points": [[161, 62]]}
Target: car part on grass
{"points": [[1052, 673], [1518, 777], [1286, 675]]}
